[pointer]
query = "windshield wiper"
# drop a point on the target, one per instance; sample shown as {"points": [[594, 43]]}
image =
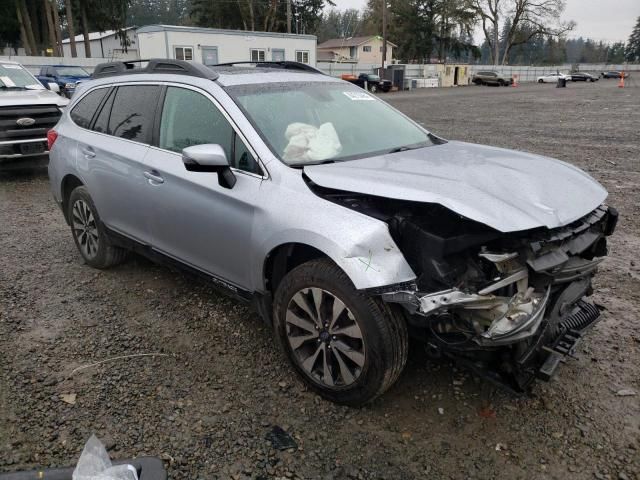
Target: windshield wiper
{"points": [[405, 148], [320, 162], [13, 87]]}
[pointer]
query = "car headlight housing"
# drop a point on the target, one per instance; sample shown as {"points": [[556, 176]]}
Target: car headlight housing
{"points": [[69, 85]]}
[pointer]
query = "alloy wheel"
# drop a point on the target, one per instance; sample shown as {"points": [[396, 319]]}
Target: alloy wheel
{"points": [[325, 338], [85, 229]]}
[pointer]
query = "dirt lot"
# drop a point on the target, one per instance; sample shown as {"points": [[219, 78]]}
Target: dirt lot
{"points": [[205, 405]]}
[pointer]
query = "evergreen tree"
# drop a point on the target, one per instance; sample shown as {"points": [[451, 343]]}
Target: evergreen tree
{"points": [[632, 51]]}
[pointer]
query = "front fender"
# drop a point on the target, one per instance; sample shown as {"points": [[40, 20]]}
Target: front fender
{"points": [[360, 245]]}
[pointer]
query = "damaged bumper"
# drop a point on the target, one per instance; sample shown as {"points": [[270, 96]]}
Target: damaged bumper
{"points": [[528, 303]]}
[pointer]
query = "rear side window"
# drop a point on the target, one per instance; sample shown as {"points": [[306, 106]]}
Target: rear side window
{"points": [[83, 112], [133, 112]]}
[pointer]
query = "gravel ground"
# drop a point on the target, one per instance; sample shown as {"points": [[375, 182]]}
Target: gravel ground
{"points": [[216, 385]]}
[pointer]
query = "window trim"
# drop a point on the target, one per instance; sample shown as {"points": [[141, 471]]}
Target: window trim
{"points": [[365, 47], [308, 62], [156, 124], [264, 54], [190, 47], [95, 114], [156, 134]]}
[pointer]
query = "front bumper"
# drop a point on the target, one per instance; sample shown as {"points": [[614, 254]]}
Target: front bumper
{"points": [[16, 149]]}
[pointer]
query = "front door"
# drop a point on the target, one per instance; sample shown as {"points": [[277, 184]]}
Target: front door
{"points": [[277, 55], [197, 221], [210, 55]]}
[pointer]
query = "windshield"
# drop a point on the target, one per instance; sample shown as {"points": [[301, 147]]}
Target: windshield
{"points": [[15, 76], [72, 72], [306, 123]]}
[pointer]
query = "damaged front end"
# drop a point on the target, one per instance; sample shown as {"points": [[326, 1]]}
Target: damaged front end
{"points": [[510, 306], [514, 304]]}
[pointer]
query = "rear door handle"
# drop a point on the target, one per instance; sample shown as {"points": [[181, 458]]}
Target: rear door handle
{"points": [[88, 152], [153, 177]]}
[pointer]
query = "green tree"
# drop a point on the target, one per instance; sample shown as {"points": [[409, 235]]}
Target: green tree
{"points": [[632, 51]]}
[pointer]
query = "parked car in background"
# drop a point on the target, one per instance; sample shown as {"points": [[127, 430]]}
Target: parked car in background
{"points": [[27, 112], [553, 77], [614, 74], [374, 82], [491, 78], [583, 77], [346, 224], [66, 76]]}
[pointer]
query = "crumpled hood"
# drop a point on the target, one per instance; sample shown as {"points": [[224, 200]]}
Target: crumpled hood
{"points": [[31, 97], [504, 189]]}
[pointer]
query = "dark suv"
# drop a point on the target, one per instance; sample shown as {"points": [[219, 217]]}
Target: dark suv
{"points": [[491, 78]]}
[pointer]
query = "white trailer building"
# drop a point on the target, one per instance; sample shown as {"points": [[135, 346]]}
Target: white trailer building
{"points": [[104, 45], [210, 45]]}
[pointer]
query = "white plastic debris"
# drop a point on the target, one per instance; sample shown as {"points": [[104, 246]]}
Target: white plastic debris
{"points": [[95, 464]]}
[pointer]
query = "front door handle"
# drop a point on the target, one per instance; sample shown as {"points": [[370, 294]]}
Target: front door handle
{"points": [[88, 152], [153, 177]]}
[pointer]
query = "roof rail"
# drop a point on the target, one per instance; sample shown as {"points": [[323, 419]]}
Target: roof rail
{"points": [[154, 65], [284, 64]]}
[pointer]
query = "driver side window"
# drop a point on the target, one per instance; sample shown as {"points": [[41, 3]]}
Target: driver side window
{"points": [[189, 118]]}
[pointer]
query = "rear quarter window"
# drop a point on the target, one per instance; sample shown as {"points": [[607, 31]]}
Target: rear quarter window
{"points": [[84, 110]]}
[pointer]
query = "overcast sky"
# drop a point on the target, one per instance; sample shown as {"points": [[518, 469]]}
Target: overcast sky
{"points": [[607, 20]]}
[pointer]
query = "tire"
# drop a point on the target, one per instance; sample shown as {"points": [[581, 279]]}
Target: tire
{"points": [[89, 233], [373, 334], [373, 88], [540, 80]]}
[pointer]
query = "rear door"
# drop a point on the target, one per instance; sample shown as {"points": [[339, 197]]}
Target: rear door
{"points": [[111, 153], [196, 220]]}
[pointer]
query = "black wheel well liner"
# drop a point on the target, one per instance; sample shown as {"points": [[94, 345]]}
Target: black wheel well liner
{"points": [[285, 258], [69, 183]]}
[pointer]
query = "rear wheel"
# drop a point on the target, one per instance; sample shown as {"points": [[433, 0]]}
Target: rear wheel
{"points": [[88, 232], [346, 346]]}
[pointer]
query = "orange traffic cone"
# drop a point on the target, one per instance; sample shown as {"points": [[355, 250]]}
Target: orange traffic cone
{"points": [[621, 83], [515, 81]]}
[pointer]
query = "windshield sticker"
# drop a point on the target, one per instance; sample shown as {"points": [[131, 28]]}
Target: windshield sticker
{"points": [[358, 96], [7, 82], [13, 67]]}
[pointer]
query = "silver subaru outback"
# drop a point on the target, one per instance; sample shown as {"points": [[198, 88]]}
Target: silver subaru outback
{"points": [[277, 184]]}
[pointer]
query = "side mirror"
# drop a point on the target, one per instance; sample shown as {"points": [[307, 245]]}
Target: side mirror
{"points": [[209, 158], [54, 87]]}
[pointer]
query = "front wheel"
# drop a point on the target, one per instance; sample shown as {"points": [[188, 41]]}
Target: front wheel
{"points": [[347, 346], [373, 88], [540, 80]]}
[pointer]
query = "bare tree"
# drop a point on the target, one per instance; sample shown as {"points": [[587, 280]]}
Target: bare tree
{"points": [[51, 29], [57, 25], [85, 29], [71, 27], [490, 12], [25, 24], [541, 17]]}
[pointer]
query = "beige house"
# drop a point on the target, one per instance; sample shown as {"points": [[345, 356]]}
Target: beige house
{"points": [[355, 49]]}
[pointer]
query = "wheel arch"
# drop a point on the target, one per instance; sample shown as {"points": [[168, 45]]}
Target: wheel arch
{"points": [[68, 184], [284, 258]]}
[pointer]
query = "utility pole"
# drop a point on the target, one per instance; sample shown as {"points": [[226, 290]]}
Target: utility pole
{"points": [[288, 16], [384, 34]]}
